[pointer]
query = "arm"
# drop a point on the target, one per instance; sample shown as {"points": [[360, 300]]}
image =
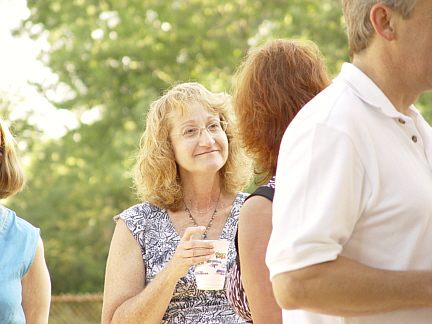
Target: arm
{"points": [[347, 288], [126, 299], [254, 232], [36, 289]]}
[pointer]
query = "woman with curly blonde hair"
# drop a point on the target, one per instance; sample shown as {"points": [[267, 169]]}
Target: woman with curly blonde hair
{"points": [[189, 173], [270, 87], [25, 286]]}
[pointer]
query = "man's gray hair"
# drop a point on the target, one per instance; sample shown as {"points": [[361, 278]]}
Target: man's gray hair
{"points": [[357, 16]]}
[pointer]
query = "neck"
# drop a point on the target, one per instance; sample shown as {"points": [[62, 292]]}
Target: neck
{"points": [[203, 211], [390, 78], [201, 196]]}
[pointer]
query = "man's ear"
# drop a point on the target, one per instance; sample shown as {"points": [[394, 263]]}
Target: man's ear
{"points": [[382, 19]]}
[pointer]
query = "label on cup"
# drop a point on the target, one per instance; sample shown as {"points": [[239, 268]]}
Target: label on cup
{"points": [[210, 275]]}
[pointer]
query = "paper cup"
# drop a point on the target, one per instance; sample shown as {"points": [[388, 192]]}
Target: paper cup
{"points": [[210, 275]]}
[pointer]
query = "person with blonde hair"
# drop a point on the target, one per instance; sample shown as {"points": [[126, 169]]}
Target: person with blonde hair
{"points": [[352, 213], [25, 286], [272, 84], [189, 173]]}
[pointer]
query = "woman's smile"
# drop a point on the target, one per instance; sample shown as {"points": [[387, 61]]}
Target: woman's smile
{"points": [[207, 152]]}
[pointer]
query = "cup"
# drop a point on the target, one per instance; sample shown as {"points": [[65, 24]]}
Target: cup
{"points": [[210, 275]]}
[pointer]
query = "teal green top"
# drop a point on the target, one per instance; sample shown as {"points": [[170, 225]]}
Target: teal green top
{"points": [[18, 241]]}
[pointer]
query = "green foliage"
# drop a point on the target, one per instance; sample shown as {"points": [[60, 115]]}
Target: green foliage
{"points": [[73, 194], [424, 104], [117, 56]]}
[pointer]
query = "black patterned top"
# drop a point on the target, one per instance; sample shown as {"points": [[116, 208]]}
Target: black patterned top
{"points": [[158, 239]]}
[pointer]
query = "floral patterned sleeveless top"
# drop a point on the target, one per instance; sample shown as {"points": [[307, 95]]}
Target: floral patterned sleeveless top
{"points": [[158, 239]]}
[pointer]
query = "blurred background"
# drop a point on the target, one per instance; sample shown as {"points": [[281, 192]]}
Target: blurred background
{"points": [[77, 77]]}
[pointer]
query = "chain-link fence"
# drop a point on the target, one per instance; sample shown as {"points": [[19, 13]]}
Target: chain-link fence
{"points": [[76, 309]]}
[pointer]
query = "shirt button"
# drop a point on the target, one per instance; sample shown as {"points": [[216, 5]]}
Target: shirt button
{"points": [[414, 139], [401, 121]]}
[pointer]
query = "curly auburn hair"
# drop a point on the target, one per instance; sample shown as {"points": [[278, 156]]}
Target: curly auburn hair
{"points": [[12, 177], [156, 173], [271, 85]]}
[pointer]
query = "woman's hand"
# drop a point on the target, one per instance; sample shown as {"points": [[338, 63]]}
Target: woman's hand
{"points": [[190, 251]]}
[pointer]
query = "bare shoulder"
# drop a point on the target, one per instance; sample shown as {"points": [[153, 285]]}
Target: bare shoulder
{"points": [[256, 207]]}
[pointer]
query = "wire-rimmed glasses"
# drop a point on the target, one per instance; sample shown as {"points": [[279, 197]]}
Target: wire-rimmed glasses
{"points": [[193, 133]]}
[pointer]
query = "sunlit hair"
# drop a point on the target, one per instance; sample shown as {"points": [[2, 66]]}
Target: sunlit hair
{"points": [[357, 16], [273, 82], [156, 173], [12, 177]]}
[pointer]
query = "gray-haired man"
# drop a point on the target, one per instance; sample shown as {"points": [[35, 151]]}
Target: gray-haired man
{"points": [[352, 213]]}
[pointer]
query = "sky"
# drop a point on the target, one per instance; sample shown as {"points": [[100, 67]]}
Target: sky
{"points": [[19, 66]]}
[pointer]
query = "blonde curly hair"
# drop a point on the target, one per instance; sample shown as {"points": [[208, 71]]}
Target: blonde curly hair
{"points": [[156, 175]]}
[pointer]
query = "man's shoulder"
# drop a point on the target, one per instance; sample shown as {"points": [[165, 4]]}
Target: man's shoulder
{"points": [[350, 87], [331, 95], [338, 99]]}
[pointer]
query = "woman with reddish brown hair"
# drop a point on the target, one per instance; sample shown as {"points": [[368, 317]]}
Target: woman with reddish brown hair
{"points": [[270, 87]]}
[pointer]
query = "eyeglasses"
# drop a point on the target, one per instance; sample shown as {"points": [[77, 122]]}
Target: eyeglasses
{"points": [[193, 133]]}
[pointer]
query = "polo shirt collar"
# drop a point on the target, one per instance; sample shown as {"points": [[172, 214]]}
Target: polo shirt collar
{"points": [[368, 91]]}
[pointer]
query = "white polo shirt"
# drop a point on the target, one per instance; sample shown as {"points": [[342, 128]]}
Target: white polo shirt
{"points": [[354, 178]]}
